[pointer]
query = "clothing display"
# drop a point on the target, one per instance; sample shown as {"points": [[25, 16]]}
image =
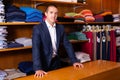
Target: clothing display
{"points": [[2, 74], [13, 73], [88, 30], [102, 45], [2, 12], [32, 14], [77, 36], [3, 35], [14, 14], [116, 17], [83, 57], [24, 41]]}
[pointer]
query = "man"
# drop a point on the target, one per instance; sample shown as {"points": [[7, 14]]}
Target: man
{"points": [[46, 39]]}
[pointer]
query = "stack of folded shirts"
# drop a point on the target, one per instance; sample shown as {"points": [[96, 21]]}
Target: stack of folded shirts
{"points": [[99, 18], [3, 31], [13, 73], [116, 17], [88, 15], [107, 15], [3, 34], [32, 14], [117, 30], [70, 14], [77, 36], [77, 17], [2, 75], [118, 41], [14, 14], [24, 41], [2, 12], [82, 56]]}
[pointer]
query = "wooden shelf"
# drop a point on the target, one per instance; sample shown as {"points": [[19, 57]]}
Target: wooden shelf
{"points": [[29, 47], [18, 23], [57, 2], [78, 41], [89, 23], [83, 23], [102, 23], [47, 2], [14, 49], [35, 23]]}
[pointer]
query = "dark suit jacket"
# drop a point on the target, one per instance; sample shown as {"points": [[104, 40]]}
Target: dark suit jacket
{"points": [[42, 46]]}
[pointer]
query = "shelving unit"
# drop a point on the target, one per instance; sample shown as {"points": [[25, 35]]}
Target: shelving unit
{"points": [[17, 29], [13, 56], [9, 24]]}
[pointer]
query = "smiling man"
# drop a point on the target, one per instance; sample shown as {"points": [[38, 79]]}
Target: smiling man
{"points": [[47, 37]]}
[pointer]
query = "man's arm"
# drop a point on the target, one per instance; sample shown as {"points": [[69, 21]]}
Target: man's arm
{"points": [[36, 48]]}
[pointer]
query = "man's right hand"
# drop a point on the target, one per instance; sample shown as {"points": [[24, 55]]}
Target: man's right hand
{"points": [[40, 73]]}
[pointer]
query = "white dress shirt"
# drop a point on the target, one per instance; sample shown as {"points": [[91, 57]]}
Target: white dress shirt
{"points": [[52, 31]]}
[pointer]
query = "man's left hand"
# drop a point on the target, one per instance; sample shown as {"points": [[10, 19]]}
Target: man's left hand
{"points": [[78, 65]]}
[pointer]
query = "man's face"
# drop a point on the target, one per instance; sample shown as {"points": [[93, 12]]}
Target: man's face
{"points": [[51, 14]]}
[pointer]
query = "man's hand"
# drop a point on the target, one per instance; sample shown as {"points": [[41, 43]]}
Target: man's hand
{"points": [[78, 65], [40, 73]]}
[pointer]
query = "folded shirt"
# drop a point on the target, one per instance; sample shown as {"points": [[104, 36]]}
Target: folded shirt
{"points": [[24, 40]]}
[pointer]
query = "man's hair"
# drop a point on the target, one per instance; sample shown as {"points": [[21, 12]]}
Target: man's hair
{"points": [[50, 5]]}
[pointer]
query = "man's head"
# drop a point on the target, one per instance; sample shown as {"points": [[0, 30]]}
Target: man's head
{"points": [[51, 13]]}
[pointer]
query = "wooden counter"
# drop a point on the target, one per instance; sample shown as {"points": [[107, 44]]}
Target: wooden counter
{"points": [[94, 70]]}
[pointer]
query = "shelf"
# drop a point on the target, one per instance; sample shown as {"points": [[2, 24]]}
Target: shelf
{"points": [[35, 23], [14, 49], [102, 23], [29, 47], [83, 23], [18, 23], [90, 23], [57, 2], [78, 41], [63, 3]]}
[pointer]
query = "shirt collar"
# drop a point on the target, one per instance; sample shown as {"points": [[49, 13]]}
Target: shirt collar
{"points": [[48, 25]]}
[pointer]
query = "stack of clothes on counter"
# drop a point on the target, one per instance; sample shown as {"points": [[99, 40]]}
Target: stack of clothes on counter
{"points": [[32, 14]]}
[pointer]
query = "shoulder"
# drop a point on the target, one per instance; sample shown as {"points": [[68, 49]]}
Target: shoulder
{"points": [[39, 26], [60, 26]]}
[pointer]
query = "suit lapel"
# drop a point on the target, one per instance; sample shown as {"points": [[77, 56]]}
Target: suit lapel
{"points": [[58, 36], [46, 33]]}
